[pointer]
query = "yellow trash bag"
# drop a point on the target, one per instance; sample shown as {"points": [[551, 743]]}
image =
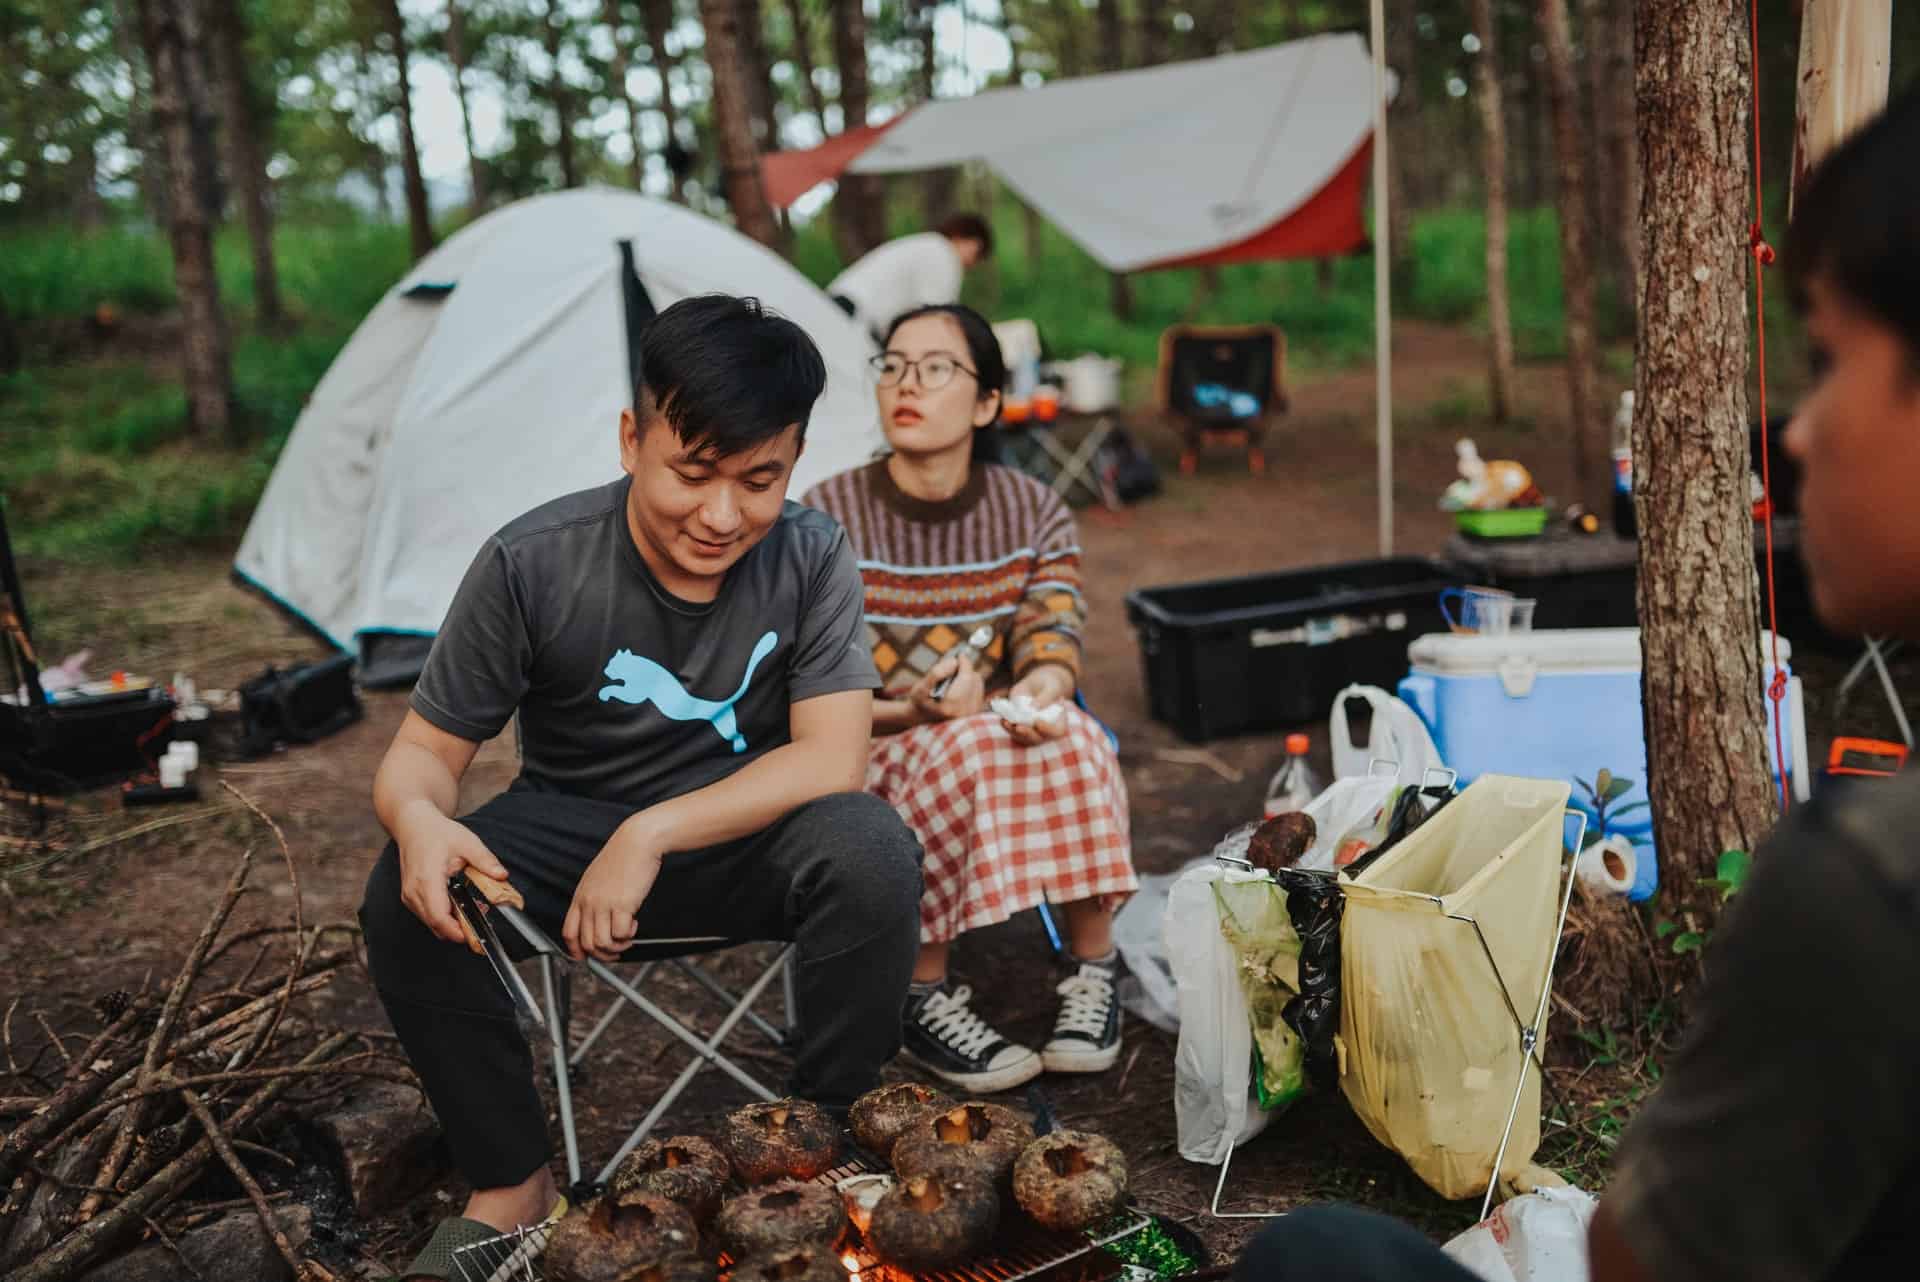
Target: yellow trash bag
{"points": [[1446, 947]]}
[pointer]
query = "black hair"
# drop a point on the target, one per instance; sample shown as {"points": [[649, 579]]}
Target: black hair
{"points": [[726, 374], [1854, 224], [968, 227], [983, 351]]}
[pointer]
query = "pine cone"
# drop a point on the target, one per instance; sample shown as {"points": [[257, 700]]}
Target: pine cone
{"points": [[111, 1006], [163, 1142]]}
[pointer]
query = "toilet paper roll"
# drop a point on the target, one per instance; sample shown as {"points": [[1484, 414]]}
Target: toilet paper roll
{"points": [[173, 772], [186, 752], [1608, 867]]}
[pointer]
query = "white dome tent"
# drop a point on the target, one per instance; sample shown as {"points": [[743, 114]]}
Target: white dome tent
{"points": [[489, 380]]}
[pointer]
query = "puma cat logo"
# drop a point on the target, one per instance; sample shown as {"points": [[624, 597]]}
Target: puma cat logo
{"points": [[639, 679]]}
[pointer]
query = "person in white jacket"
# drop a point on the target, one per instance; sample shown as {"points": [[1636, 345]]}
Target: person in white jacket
{"points": [[913, 271]]}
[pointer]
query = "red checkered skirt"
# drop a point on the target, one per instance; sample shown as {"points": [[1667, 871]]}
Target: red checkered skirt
{"points": [[1005, 825]]}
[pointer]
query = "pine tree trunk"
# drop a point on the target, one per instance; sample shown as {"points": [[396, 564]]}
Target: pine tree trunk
{"points": [[246, 168], [733, 122], [188, 143], [610, 14], [141, 135], [759, 77], [1113, 44], [1154, 21], [1029, 216], [1493, 163], [561, 96], [936, 185], [1603, 238], [1408, 147], [10, 357], [657, 15], [1706, 763], [457, 55], [860, 206], [803, 60], [419, 218], [1591, 476]]}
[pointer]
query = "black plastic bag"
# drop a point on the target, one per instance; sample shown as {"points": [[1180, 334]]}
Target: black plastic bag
{"points": [[299, 705], [1314, 905]]}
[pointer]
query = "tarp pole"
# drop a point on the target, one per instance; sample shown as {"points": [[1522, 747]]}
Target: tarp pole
{"points": [[1382, 298]]}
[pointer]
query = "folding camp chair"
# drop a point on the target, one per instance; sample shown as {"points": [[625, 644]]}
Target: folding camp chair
{"points": [[1878, 651], [550, 1016], [1222, 382]]}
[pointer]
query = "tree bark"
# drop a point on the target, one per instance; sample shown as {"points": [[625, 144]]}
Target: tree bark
{"points": [[188, 141], [610, 11], [936, 185], [141, 135], [10, 357], [859, 205], [1590, 466], [803, 61], [733, 122], [1113, 43], [1618, 127], [246, 168], [1493, 164], [419, 218], [457, 56], [759, 77], [1408, 148], [1706, 761], [657, 15], [1844, 63], [560, 95], [1154, 20], [1029, 216]]}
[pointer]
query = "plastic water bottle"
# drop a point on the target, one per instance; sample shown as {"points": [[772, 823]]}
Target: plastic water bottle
{"points": [[1624, 523], [1294, 784]]}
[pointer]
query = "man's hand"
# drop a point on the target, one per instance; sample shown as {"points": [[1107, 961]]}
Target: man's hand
{"points": [[600, 921], [964, 698], [433, 850], [1048, 686]]}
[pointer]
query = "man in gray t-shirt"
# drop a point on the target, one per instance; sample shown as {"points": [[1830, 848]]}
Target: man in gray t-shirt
{"points": [[685, 655]]}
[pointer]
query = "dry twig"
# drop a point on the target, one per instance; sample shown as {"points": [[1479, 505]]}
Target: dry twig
{"points": [[264, 1037], [224, 1147], [54, 1038]]}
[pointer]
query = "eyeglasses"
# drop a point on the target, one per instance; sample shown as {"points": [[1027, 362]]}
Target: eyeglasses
{"points": [[935, 369]]}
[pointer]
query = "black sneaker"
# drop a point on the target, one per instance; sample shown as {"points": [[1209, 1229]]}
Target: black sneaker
{"points": [[945, 1037], [1086, 1034]]}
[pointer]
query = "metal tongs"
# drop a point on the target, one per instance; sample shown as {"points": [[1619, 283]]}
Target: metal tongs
{"points": [[977, 641], [472, 907]]}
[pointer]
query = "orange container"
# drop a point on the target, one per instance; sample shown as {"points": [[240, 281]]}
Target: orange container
{"points": [[1015, 411]]}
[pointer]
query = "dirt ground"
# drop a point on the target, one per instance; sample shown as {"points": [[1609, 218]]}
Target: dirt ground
{"points": [[122, 902]]}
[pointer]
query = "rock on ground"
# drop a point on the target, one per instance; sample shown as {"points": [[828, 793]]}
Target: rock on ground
{"points": [[387, 1144], [233, 1248]]}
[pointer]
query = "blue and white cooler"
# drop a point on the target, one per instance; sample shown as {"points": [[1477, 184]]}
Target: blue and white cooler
{"points": [[1563, 705]]}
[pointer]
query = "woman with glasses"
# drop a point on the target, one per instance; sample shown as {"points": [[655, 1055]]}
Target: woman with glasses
{"points": [[972, 575]]}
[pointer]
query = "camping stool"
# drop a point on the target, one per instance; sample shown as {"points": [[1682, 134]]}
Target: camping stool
{"points": [[556, 1001], [1878, 651], [1529, 1032], [1200, 364]]}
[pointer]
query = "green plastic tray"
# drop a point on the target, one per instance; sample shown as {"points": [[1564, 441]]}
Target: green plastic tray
{"points": [[1512, 523]]}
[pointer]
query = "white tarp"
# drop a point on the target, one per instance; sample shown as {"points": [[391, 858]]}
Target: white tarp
{"points": [[1162, 163], [444, 418]]}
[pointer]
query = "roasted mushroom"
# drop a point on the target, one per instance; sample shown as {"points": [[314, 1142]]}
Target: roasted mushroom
{"points": [[880, 1115], [685, 1169], [687, 1267], [982, 1138], [795, 1264], [935, 1221], [779, 1216], [1070, 1180], [1281, 841], [785, 1140], [617, 1234]]}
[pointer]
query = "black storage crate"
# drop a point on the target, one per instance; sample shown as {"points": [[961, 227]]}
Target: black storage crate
{"points": [[1234, 656]]}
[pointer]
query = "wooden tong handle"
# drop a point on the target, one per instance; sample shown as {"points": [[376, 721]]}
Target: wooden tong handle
{"points": [[493, 891]]}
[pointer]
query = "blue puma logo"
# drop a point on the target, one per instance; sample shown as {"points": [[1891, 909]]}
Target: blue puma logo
{"points": [[640, 680]]}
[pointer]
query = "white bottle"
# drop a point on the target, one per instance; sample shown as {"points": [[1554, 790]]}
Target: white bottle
{"points": [[1294, 784]]}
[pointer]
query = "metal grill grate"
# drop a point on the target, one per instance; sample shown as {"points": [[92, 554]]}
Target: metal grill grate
{"points": [[1023, 1249]]}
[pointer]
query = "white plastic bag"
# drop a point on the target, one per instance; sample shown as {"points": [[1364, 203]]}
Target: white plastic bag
{"points": [[1140, 933], [1348, 806], [1538, 1237], [1212, 1063], [1397, 734]]}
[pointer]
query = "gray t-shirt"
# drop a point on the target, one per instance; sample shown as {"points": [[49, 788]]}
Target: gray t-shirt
{"points": [[1783, 1144], [625, 692]]}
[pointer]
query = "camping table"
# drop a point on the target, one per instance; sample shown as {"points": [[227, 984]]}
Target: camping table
{"points": [[1070, 465]]}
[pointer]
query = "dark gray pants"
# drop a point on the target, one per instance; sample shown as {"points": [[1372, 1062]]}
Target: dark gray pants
{"points": [[840, 877], [1334, 1243]]}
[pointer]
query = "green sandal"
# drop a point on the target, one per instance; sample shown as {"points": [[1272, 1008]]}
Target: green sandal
{"points": [[460, 1251]]}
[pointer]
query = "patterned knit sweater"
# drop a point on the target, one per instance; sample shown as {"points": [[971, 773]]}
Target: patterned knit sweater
{"points": [[1003, 551]]}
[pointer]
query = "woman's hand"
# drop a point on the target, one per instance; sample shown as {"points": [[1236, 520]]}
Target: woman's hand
{"points": [[1048, 686], [600, 921], [966, 697]]}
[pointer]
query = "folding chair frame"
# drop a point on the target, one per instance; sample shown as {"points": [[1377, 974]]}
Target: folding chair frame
{"points": [[1529, 1033], [556, 997], [1878, 650], [1195, 432]]}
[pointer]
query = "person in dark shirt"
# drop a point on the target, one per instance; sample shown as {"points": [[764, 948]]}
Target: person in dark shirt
{"points": [[686, 655], [1784, 1142]]}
